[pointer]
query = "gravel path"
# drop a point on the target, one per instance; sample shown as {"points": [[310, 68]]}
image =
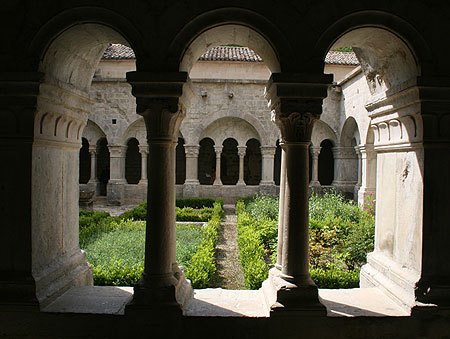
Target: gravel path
{"points": [[228, 264]]}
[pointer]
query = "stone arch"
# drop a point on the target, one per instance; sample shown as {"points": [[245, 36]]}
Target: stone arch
{"points": [[68, 63], [93, 132], [322, 131], [230, 127], [209, 30], [136, 130], [350, 131], [133, 161], [396, 26]]}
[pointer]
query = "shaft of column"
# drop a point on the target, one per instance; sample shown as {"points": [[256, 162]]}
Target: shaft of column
{"points": [[144, 166], [93, 154], [281, 211], [315, 151], [241, 153], [192, 163], [218, 150], [160, 236], [295, 260], [268, 155]]}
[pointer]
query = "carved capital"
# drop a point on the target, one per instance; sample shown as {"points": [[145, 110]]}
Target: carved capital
{"points": [[117, 151], [191, 151], [268, 151], [143, 149], [218, 150], [295, 127], [241, 151], [157, 97], [315, 151]]}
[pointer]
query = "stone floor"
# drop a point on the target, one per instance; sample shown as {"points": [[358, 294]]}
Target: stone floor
{"points": [[217, 302]]}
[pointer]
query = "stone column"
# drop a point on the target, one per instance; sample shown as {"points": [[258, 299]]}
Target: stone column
{"points": [[115, 187], [144, 159], [217, 180], [290, 288], [315, 151], [190, 188], [241, 153], [162, 286], [281, 210], [268, 156], [366, 193], [359, 173], [93, 182]]}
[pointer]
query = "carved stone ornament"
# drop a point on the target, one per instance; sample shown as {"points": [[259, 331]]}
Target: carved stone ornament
{"points": [[295, 127]]}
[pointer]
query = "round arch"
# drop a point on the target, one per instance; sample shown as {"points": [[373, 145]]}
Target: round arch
{"points": [[93, 132], [396, 26], [260, 32], [322, 131], [136, 130], [350, 132]]}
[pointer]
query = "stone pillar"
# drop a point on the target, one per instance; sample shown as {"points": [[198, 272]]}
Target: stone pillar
{"points": [[241, 153], [217, 180], [359, 173], [92, 183], [190, 187], [290, 288], [115, 187], [144, 159], [268, 156], [315, 184], [18, 104], [162, 286], [366, 192], [345, 169], [281, 211]]}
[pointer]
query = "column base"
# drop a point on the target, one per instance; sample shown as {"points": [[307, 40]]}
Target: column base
{"points": [[396, 281], [241, 183], [168, 294], [191, 188], [115, 192], [288, 298]]}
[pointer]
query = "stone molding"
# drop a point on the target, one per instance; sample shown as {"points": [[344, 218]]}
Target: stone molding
{"points": [[117, 151], [399, 131]]}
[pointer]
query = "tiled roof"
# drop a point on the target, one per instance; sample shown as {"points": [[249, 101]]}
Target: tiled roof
{"points": [[341, 58], [230, 53], [118, 52]]}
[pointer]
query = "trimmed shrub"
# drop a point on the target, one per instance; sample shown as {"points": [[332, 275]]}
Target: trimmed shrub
{"points": [[191, 214], [335, 278], [197, 202], [202, 268]]}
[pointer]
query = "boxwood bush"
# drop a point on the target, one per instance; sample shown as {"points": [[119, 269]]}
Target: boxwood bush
{"points": [[341, 234]]}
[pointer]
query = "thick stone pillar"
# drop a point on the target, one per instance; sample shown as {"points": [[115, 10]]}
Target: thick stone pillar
{"points": [[241, 154], [190, 188], [268, 156], [345, 169], [115, 187], [366, 193], [315, 184], [144, 156], [278, 265], [217, 180], [290, 288], [162, 286], [18, 101]]}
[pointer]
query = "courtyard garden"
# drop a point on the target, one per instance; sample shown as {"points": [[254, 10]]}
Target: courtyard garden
{"points": [[341, 235]]}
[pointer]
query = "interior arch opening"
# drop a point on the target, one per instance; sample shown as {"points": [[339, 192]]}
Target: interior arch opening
{"points": [[133, 161]]}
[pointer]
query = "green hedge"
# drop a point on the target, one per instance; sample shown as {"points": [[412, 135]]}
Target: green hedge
{"points": [[251, 248], [202, 268], [197, 202]]}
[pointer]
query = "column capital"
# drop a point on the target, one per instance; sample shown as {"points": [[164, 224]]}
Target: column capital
{"points": [[117, 151], [93, 149], [242, 150], [268, 151], [157, 98], [192, 151], [296, 101], [218, 149], [143, 149], [315, 151]]}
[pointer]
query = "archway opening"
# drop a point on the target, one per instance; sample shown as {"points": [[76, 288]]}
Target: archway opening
{"points": [[206, 162], [85, 162], [229, 162], [252, 162], [326, 163], [133, 161]]}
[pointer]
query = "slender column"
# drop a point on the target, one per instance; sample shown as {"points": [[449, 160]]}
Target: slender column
{"points": [[241, 153], [218, 150], [290, 288], [315, 151], [144, 159], [268, 156], [93, 153], [162, 286], [359, 172], [366, 193], [192, 164], [281, 210]]}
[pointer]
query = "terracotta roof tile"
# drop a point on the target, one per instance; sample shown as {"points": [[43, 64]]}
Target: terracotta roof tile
{"points": [[230, 53]]}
